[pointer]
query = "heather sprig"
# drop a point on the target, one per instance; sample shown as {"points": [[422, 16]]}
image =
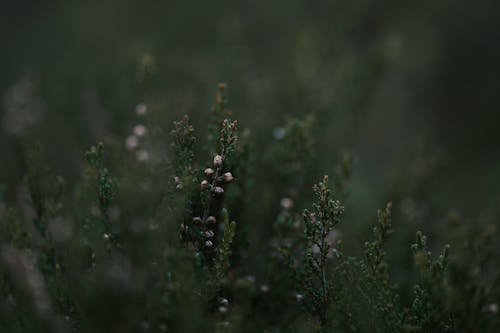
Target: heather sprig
{"points": [[374, 250], [105, 187], [222, 263], [202, 230], [385, 296], [182, 147], [312, 275], [472, 279], [207, 228], [429, 310]]}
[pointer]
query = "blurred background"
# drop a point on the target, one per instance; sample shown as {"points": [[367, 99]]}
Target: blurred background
{"points": [[409, 88]]}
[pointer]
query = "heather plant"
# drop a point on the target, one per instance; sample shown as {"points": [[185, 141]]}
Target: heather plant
{"points": [[207, 230], [141, 245], [105, 188], [312, 275]]}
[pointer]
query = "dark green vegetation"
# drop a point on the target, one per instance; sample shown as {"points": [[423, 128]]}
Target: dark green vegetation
{"points": [[199, 223], [166, 246]]}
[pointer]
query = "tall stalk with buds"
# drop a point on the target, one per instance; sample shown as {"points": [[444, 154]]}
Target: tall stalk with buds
{"points": [[208, 230]]}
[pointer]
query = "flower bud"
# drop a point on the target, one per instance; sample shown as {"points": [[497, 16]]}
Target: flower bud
{"points": [[140, 130], [209, 172], [204, 185], [228, 177], [211, 219], [209, 234], [141, 109], [209, 243], [223, 301], [197, 220], [132, 142], [218, 160], [286, 203], [219, 190]]}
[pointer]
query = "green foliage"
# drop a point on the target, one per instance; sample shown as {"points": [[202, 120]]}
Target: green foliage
{"points": [[166, 255], [314, 283], [293, 155], [45, 190], [222, 263], [105, 185], [428, 313]]}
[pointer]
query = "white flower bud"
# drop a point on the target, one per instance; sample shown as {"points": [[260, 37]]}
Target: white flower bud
{"points": [[223, 301], [299, 297], [219, 190], [211, 219], [209, 234], [204, 185], [228, 177], [196, 220], [209, 172], [264, 288], [493, 309], [218, 160], [140, 130], [286, 203], [209, 243], [222, 309], [132, 142], [141, 109]]}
